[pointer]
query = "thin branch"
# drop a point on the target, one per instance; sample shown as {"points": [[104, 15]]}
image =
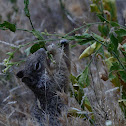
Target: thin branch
{"points": [[31, 23], [6, 43], [19, 29], [86, 24]]}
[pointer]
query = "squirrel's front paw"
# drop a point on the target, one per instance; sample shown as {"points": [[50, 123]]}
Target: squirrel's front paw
{"points": [[64, 42]]}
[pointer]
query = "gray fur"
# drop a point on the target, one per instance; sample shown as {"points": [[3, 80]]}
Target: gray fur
{"points": [[45, 79]]}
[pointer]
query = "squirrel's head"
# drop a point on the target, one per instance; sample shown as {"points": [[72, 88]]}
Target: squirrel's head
{"points": [[34, 68]]}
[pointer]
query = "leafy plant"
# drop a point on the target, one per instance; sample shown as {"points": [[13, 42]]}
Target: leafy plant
{"points": [[113, 37]]}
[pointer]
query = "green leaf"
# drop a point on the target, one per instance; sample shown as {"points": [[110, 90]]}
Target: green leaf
{"points": [[102, 18], [120, 39], [121, 32], [114, 24], [11, 54], [8, 25], [26, 10], [115, 66], [73, 79], [111, 76], [80, 95], [89, 50], [100, 28], [110, 47], [86, 35], [87, 104], [37, 34], [109, 61], [104, 29], [123, 75], [27, 51], [84, 79], [81, 39], [94, 8], [86, 41], [37, 46], [114, 40], [83, 36], [113, 44], [70, 38], [98, 37]]}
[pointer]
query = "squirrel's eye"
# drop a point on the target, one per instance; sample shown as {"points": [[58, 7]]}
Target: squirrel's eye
{"points": [[37, 66]]}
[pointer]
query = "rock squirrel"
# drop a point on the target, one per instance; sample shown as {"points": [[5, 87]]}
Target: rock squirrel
{"points": [[45, 79]]}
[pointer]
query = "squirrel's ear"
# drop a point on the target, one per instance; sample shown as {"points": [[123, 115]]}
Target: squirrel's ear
{"points": [[20, 74]]}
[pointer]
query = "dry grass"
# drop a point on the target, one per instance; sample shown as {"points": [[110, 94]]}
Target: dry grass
{"points": [[16, 100]]}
